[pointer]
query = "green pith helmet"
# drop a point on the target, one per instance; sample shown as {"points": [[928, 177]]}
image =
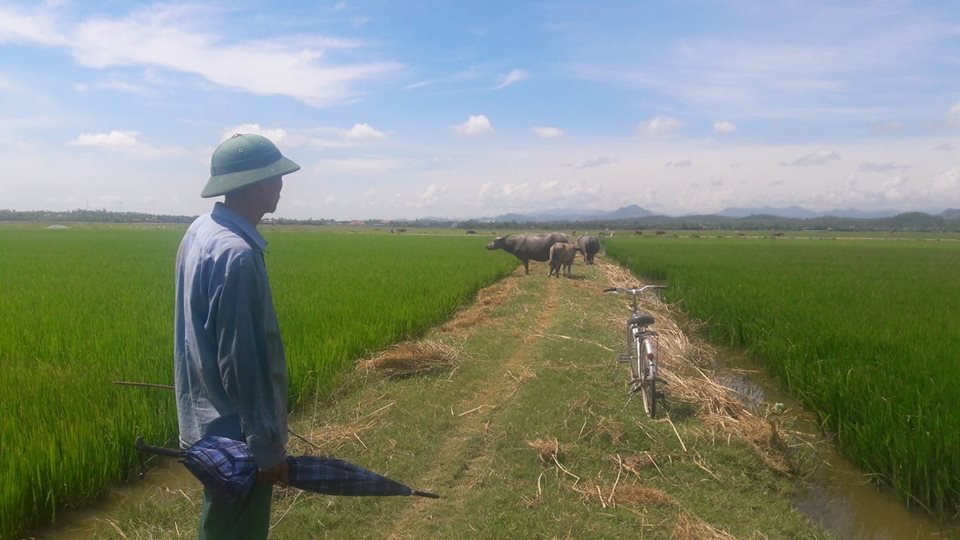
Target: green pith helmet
{"points": [[242, 160]]}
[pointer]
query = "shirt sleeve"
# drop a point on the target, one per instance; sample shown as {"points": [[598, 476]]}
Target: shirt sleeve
{"points": [[245, 363]]}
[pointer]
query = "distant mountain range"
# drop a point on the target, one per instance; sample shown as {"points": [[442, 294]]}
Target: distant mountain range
{"points": [[798, 212], [633, 211], [573, 214]]}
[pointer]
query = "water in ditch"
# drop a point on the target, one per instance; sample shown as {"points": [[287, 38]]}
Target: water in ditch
{"points": [[838, 496], [164, 475]]}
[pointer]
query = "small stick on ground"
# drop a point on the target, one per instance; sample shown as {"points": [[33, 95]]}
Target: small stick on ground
{"points": [[617, 481], [302, 438], [655, 464], [565, 471], [678, 435], [475, 409], [698, 461], [287, 511]]}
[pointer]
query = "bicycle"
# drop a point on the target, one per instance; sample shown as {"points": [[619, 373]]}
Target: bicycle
{"points": [[641, 350]]}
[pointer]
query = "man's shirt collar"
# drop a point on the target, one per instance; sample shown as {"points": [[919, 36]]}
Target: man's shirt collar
{"points": [[221, 212]]}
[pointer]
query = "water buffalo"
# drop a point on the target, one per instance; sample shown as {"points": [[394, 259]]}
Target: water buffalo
{"points": [[527, 247], [561, 258], [590, 246]]}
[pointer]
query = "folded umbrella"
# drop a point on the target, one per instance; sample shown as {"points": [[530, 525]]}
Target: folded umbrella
{"points": [[226, 468]]}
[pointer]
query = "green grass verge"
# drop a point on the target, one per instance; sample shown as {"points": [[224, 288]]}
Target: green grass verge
{"points": [[86, 307]]}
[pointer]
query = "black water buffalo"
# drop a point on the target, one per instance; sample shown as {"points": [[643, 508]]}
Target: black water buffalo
{"points": [[590, 245], [527, 247], [561, 258]]}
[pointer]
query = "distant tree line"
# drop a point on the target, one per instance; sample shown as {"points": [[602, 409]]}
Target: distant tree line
{"points": [[91, 216], [907, 222]]}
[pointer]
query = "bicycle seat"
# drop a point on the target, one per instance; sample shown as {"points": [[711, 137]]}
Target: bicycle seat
{"points": [[641, 319]]}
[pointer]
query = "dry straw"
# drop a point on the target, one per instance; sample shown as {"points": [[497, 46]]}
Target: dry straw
{"points": [[480, 311], [688, 366], [548, 451], [411, 358], [690, 527]]}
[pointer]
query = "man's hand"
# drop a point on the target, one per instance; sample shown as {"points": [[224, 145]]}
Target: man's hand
{"points": [[278, 473]]}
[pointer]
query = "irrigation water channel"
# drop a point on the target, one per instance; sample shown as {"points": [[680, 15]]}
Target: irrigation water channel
{"points": [[838, 496]]}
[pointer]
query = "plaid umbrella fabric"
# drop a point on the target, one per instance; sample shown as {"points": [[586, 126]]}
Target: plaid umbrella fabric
{"points": [[226, 468], [338, 477]]}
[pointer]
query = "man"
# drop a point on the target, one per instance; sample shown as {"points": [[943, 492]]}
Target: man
{"points": [[230, 369]]}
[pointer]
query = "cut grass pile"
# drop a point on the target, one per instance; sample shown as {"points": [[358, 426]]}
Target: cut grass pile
{"points": [[83, 308], [864, 332]]}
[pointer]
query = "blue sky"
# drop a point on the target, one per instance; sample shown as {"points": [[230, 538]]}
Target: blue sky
{"points": [[467, 109]]}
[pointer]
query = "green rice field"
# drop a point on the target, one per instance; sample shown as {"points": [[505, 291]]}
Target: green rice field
{"points": [[864, 332], [85, 307]]}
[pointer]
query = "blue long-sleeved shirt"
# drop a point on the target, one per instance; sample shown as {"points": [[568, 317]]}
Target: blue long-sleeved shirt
{"points": [[229, 364]]}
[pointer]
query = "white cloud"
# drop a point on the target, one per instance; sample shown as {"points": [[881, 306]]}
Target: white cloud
{"points": [[892, 188], [164, 36], [867, 166], [475, 125], [112, 139], [547, 132], [419, 84], [371, 166], [680, 163], [953, 115], [539, 196], [947, 182], [660, 126], [596, 162], [724, 127], [432, 194], [276, 135], [125, 141], [515, 76], [38, 27], [468, 74], [820, 157], [944, 147], [364, 132]]}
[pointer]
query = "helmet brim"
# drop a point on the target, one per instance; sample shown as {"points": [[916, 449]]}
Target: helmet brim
{"points": [[225, 183]]}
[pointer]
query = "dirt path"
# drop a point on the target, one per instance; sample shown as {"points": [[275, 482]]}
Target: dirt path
{"points": [[489, 395], [528, 434]]}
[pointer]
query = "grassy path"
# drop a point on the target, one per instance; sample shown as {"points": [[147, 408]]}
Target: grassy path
{"points": [[529, 436]]}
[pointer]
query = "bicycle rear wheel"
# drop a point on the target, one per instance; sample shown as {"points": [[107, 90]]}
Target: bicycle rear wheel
{"points": [[649, 391], [648, 380]]}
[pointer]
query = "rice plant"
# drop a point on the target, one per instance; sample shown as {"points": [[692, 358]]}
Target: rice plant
{"points": [[83, 308], [864, 332]]}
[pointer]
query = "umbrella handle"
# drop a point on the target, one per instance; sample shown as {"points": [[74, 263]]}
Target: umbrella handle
{"points": [[426, 494], [143, 447], [158, 450]]}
